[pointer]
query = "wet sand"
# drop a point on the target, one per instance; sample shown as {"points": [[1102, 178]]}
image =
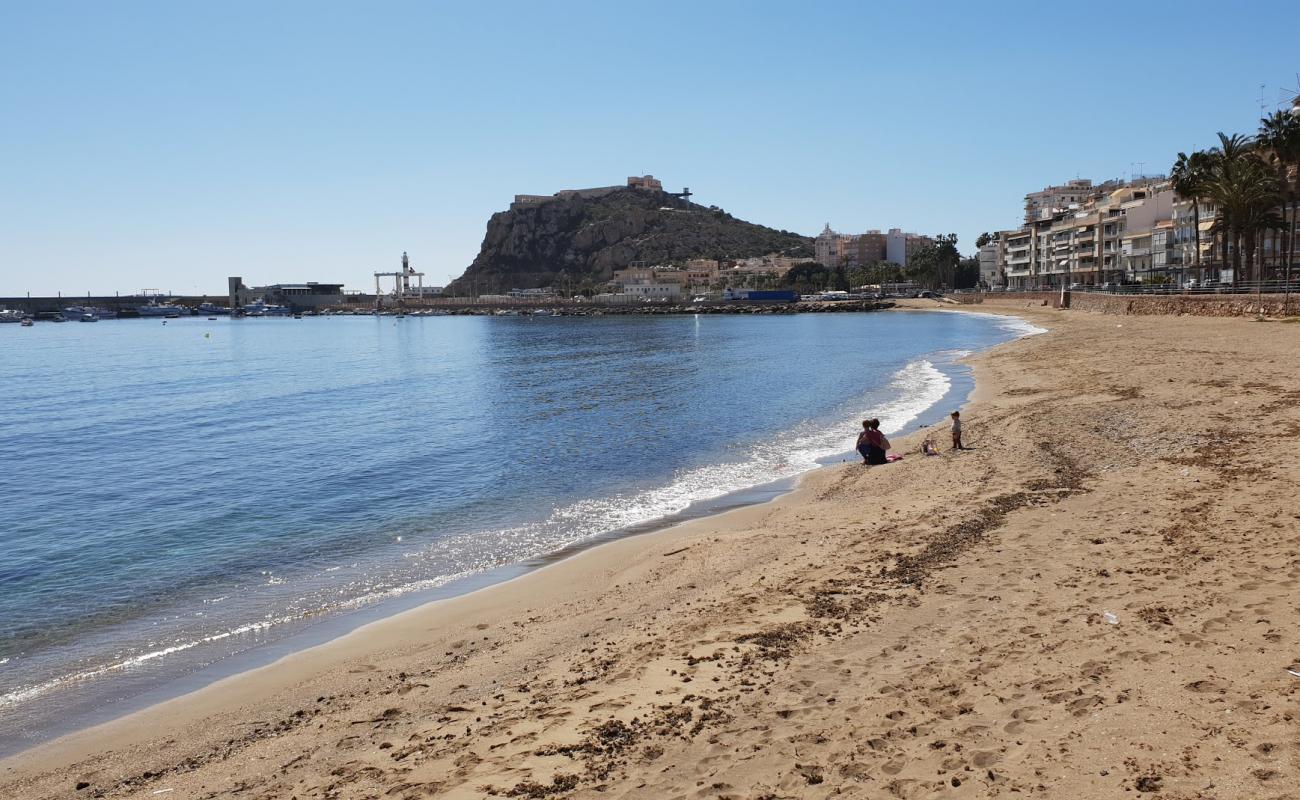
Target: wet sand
{"points": [[937, 627]]}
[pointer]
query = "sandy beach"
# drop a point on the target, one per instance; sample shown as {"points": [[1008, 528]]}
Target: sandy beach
{"points": [[1100, 599]]}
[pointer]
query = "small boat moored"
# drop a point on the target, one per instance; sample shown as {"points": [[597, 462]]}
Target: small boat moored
{"points": [[263, 309], [156, 309]]}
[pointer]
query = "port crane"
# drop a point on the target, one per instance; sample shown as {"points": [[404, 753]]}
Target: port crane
{"points": [[401, 283]]}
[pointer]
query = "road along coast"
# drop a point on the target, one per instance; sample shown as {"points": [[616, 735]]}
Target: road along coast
{"points": [[1103, 595]]}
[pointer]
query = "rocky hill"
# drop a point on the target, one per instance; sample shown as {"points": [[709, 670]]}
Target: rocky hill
{"points": [[572, 239]]}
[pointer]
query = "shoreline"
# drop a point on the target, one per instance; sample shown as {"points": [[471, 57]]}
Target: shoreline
{"points": [[324, 632], [942, 626]]}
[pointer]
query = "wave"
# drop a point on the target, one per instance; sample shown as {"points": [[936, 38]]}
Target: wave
{"points": [[29, 692], [910, 392], [1015, 325]]}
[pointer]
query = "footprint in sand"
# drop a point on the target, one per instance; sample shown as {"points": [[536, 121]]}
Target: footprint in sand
{"points": [[1207, 685], [985, 758]]}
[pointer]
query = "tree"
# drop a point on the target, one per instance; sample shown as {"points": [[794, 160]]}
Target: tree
{"points": [[1245, 190], [1279, 138], [988, 238], [1191, 177], [968, 274], [935, 265], [807, 277]]}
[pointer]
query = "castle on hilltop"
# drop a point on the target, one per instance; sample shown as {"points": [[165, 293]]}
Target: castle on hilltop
{"points": [[646, 182]]}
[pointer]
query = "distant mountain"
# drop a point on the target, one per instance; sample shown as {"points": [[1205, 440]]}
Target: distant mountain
{"points": [[589, 234]]}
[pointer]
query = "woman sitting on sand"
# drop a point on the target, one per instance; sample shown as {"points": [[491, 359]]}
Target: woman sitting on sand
{"points": [[872, 444], [881, 443]]}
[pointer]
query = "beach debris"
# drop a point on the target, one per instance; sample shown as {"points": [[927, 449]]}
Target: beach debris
{"points": [[778, 641], [162, 791], [560, 784], [1293, 672], [1148, 783], [1110, 617]]}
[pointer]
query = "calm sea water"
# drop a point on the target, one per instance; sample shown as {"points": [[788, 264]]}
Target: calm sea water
{"points": [[177, 494]]}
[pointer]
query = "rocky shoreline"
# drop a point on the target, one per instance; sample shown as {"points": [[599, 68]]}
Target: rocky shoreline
{"points": [[641, 310]]}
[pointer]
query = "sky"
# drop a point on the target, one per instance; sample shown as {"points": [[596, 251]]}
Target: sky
{"points": [[167, 145]]}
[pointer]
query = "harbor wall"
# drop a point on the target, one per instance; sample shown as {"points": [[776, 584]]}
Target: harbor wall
{"points": [[41, 305]]}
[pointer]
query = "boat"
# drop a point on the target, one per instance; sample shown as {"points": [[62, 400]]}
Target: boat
{"points": [[9, 315], [27, 322], [212, 309], [79, 313], [262, 309], [156, 309]]}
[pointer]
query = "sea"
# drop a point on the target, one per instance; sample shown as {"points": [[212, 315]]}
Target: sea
{"points": [[189, 499]]}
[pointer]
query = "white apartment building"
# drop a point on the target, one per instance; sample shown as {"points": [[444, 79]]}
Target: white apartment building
{"points": [[900, 245], [1043, 203], [988, 258]]}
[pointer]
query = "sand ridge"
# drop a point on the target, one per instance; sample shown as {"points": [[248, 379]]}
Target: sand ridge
{"points": [[935, 628]]}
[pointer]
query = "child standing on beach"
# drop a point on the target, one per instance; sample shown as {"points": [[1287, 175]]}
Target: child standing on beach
{"points": [[956, 431]]}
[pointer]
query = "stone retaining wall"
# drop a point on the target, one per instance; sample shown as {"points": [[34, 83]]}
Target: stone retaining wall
{"points": [[1216, 305], [1020, 299], [1230, 305]]}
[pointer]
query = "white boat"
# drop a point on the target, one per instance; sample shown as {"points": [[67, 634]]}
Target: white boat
{"points": [[156, 309], [9, 315], [81, 312], [261, 309], [27, 322]]}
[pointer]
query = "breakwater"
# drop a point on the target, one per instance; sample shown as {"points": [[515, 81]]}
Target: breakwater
{"points": [[652, 309]]}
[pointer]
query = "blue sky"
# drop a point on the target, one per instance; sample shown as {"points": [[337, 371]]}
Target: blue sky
{"points": [[167, 145]]}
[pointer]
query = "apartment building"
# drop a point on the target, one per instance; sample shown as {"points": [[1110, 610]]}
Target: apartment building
{"points": [[900, 245], [1088, 235], [1019, 252], [833, 249], [1043, 203], [988, 258]]}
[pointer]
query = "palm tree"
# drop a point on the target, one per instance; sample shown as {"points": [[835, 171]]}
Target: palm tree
{"points": [[1191, 177], [1248, 193], [1239, 183], [1279, 136]]}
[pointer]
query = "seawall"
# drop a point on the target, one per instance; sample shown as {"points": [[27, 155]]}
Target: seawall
{"points": [[1216, 305]]}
